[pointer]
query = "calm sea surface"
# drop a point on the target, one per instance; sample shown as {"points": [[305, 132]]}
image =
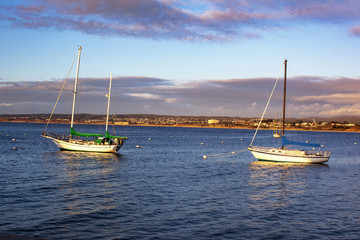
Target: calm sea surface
{"points": [[166, 190]]}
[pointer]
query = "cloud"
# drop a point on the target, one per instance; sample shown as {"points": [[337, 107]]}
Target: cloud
{"points": [[170, 100], [344, 110], [218, 109], [144, 96], [355, 31], [246, 97], [6, 104], [189, 20], [331, 98], [327, 110], [325, 10]]}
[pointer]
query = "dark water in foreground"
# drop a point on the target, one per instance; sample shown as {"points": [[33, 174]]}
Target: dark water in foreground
{"points": [[166, 190]]}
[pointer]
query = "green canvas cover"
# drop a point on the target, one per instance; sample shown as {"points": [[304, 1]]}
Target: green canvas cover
{"points": [[75, 133], [107, 135]]}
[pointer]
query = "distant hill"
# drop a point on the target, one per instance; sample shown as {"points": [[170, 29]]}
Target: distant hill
{"points": [[341, 119]]}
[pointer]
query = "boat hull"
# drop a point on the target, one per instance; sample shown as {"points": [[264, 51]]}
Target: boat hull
{"points": [[289, 155], [277, 135], [84, 146]]}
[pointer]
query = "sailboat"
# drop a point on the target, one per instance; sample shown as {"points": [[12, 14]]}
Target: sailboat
{"points": [[78, 141], [277, 133], [285, 154]]}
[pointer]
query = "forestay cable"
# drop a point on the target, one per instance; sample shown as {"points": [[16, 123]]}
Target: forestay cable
{"points": [[267, 105], [60, 94]]}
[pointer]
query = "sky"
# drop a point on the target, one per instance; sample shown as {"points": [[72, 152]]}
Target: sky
{"points": [[181, 57]]}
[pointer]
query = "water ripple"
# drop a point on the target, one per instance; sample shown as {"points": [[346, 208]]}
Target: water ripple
{"points": [[165, 190]]}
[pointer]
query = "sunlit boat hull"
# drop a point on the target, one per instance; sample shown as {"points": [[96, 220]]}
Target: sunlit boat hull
{"points": [[289, 155], [85, 146], [277, 135], [73, 142]]}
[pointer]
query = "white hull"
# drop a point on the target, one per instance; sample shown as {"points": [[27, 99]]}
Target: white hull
{"points": [[85, 146], [277, 135], [107, 144], [286, 155], [289, 155]]}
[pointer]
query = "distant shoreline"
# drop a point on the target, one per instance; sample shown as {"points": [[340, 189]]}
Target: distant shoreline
{"points": [[219, 126]]}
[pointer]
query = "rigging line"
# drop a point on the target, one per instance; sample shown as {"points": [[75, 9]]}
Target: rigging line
{"points": [[267, 105], [60, 94], [224, 154]]}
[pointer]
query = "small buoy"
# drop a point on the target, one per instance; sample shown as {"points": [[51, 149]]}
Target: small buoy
{"points": [[355, 143], [201, 143], [313, 148], [7, 135], [233, 152], [137, 146], [204, 157], [323, 145], [307, 141], [171, 136], [240, 139], [13, 139], [14, 148], [149, 139], [222, 141]]}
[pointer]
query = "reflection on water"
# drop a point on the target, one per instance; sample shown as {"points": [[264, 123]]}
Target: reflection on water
{"points": [[88, 187], [275, 184], [278, 194], [165, 190], [102, 157], [266, 167]]}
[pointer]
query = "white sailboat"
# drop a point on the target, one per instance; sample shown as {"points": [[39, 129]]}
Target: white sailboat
{"points": [[286, 154], [78, 141], [277, 134]]}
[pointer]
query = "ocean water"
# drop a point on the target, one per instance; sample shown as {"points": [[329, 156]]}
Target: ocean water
{"points": [[166, 190]]}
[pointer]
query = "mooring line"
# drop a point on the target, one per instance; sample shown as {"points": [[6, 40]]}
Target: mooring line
{"points": [[223, 154]]}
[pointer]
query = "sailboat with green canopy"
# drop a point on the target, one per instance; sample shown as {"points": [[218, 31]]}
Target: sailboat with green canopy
{"points": [[79, 134], [78, 141]]}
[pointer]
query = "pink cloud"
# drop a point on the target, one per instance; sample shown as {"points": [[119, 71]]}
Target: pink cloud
{"points": [[327, 10], [219, 20], [355, 31], [151, 18], [307, 96]]}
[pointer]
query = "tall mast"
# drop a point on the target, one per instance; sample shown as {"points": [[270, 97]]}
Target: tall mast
{"points": [[108, 104], [75, 87], [284, 103]]}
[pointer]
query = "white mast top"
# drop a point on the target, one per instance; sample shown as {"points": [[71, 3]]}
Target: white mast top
{"points": [[75, 87], [108, 104]]}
